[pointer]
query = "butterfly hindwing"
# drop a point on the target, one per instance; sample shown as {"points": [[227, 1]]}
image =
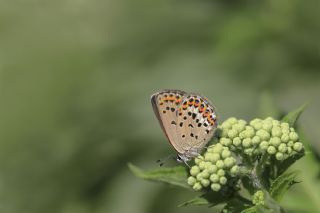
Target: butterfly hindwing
{"points": [[197, 122]]}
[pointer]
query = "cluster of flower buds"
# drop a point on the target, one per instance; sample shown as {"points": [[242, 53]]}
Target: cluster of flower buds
{"points": [[213, 168], [238, 138], [258, 198], [260, 136]]}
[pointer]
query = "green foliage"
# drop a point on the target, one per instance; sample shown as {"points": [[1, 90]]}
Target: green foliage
{"points": [[210, 199], [175, 176], [294, 115], [281, 184], [262, 174]]}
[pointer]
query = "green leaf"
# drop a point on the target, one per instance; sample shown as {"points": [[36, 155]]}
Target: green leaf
{"points": [[258, 209], [175, 176], [197, 201], [281, 185], [270, 204], [253, 209], [237, 204], [210, 198], [294, 115], [284, 165], [306, 192]]}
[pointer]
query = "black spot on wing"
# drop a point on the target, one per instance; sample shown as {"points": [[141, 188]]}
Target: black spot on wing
{"points": [[194, 115]]}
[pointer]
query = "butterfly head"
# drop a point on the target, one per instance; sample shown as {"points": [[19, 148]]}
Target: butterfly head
{"points": [[182, 158]]}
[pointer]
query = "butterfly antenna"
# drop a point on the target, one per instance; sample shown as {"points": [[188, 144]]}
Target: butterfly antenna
{"points": [[163, 160], [185, 162]]}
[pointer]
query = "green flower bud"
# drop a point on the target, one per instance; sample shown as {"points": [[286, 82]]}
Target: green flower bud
{"points": [[276, 123], [276, 132], [191, 180], [194, 170], [264, 145], [208, 156], [258, 198], [249, 133], [225, 154], [226, 125], [205, 182], [221, 172], [224, 133], [298, 146], [293, 136], [263, 134], [275, 141], [210, 149], [256, 151], [239, 127], [285, 131], [219, 147], [236, 141], [232, 120], [220, 164], [205, 174], [292, 129], [285, 138], [215, 157], [202, 165], [212, 169], [282, 148], [267, 126], [279, 156], [223, 180], [290, 143], [256, 120], [197, 186], [255, 140], [215, 187], [248, 151], [234, 171], [242, 122], [284, 125], [232, 134], [214, 178], [229, 162], [271, 150], [199, 176], [246, 142], [225, 142], [242, 135], [289, 150], [257, 125]]}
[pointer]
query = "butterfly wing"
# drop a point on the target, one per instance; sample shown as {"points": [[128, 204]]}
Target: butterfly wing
{"points": [[196, 123], [165, 105]]}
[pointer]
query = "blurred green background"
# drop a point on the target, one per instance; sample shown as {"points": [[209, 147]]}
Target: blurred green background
{"points": [[76, 77]]}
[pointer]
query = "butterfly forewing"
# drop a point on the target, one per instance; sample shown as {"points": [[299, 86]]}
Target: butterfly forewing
{"points": [[165, 105], [188, 120]]}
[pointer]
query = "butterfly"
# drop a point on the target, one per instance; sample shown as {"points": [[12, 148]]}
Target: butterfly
{"points": [[188, 121]]}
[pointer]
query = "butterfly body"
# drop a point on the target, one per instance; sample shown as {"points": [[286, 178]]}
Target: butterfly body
{"points": [[188, 121]]}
